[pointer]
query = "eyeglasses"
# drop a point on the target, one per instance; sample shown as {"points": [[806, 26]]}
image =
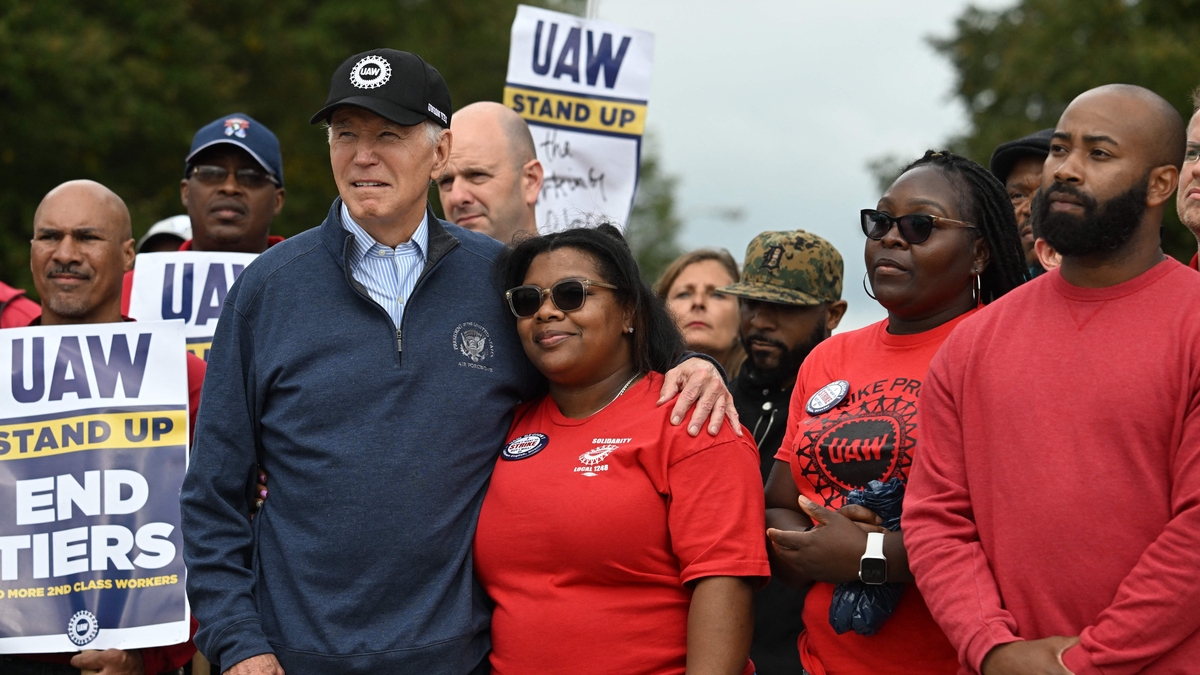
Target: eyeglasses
{"points": [[915, 228], [567, 295], [215, 175]]}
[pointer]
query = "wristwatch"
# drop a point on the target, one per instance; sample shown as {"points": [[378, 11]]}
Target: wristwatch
{"points": [[872, 567]]}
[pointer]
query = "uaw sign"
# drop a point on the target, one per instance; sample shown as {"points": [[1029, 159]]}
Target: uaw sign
{"points": [[583, 86], [187, 285], [93, 449]]}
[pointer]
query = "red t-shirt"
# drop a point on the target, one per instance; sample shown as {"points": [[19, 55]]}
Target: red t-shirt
{"points": [[16, 310], [870, 435], [587, 545], [127, 280], [1058, 488]]}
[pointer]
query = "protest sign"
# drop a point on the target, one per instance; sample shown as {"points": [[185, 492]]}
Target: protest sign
{"points": [[187, 285], [583, 86], [93, 449]]}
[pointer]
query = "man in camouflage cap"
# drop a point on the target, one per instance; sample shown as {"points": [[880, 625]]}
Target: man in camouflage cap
{"points": [[791, 300]]}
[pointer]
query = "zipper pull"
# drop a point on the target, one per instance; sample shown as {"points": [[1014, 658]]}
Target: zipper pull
{"points": [[398, 347]]}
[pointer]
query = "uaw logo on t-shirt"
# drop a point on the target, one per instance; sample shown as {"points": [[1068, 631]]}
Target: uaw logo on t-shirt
{"points": [[591, 460], [869, 440], [474, 342]]}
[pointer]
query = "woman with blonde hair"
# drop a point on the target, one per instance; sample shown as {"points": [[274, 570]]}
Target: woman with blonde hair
{"points": [[706, 316]]}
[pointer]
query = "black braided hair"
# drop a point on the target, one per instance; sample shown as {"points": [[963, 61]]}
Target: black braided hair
{"points": [[985, 204]]}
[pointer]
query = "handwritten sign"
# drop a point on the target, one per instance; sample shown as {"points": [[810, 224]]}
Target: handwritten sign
{"points": [[93, 450], [187, 285], [583, 86]]}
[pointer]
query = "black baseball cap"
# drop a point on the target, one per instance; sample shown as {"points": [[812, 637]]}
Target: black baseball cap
{"points": [[397, 86], [1006, 155]]}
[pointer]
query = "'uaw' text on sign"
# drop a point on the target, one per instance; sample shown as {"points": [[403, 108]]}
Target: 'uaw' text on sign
{"points": [[93, 448], [583, 86], [186, 285]]}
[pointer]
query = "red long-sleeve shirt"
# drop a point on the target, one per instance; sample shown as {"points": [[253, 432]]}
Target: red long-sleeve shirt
{"points": [[1057, 491]]}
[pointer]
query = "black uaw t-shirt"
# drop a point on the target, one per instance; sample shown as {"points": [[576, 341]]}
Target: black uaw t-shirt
{"points": [[871, 434]]}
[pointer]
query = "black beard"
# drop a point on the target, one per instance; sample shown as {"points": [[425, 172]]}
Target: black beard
{"points": [[1102, 230], [789, 363]]}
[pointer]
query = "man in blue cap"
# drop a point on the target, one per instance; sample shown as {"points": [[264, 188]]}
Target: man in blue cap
{"points": [[232, 187]]}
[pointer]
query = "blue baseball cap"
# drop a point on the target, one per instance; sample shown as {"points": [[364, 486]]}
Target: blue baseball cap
{"points": [[245, 132]]}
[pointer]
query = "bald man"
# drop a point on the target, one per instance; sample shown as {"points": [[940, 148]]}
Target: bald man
{"points": [[492, 181], [1052, 518], [82, 246], [1187, 200]]}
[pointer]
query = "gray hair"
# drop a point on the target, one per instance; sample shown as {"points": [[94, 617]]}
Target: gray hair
{"points": [[433, 132]]}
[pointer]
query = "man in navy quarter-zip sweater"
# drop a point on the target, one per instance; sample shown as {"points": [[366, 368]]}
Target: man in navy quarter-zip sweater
{"points": [[370, 367]]}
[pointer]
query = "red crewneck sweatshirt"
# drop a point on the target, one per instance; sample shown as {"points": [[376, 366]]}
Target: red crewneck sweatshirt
{"points": [[1057, 491]]}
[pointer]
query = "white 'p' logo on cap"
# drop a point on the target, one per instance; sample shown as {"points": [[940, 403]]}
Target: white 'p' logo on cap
{"points": [[371, 72]]}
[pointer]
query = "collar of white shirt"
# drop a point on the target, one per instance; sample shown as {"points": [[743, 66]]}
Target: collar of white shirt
{"points": [[364, 243]]}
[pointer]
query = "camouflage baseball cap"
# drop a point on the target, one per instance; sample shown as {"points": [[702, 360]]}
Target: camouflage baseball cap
{"points": [[792, 268]]}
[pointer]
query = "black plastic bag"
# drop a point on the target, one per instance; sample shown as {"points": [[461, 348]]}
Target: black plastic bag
{"points": [[861, 607]]}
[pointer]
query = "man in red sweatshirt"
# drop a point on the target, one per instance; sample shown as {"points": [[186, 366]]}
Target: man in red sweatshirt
{"points": [[1053, 515]]}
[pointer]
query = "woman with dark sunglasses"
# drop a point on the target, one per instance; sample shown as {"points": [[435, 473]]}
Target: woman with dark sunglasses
{"points": [[611, 541], [941, 242]]}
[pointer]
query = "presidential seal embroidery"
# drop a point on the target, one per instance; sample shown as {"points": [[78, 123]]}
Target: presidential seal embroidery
{"points": [[827, 397], [525, 446], [83, 627], [473, 342], [371, 72]]}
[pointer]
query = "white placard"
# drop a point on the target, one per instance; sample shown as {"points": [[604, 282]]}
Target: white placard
{"points": [[188, 286], [583, 86], [93, 449]]}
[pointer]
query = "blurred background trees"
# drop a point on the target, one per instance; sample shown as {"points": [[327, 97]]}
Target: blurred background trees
{"points": [[1018, 68], [112, 90]]}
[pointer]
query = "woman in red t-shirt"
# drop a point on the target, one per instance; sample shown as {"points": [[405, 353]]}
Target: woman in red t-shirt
{"points": [[941, 241], [610, 540]]}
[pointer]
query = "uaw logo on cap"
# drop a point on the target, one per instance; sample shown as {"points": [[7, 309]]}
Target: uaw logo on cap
{"points": [[236, 126], [524, 446], [371, 72], [827, 397], [83, 627]]}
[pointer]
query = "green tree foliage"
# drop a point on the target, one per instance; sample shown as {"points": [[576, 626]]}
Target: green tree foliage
{"points": [[1018, 68], [653, 226], [112, 90]]}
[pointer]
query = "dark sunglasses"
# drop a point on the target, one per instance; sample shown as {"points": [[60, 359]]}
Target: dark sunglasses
{"points": [[567, 295], [215, 175], [914, 228]]}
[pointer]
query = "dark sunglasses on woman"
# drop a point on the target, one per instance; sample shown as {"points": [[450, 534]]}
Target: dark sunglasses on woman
{"points": [[914, 228], [567, 295]]}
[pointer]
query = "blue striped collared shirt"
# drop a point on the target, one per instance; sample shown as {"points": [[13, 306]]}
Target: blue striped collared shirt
{"points": [[388, 274]]}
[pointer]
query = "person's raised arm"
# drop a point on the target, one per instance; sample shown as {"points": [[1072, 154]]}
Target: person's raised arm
{"points": [[217, 539]]}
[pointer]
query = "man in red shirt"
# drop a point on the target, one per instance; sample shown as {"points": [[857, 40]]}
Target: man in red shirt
{"points": [[1187, 201], [82, 245], [232, 188], [1053, 516]]}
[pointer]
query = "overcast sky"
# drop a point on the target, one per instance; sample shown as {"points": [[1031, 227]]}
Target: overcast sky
{"points": [[774, 107]]}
